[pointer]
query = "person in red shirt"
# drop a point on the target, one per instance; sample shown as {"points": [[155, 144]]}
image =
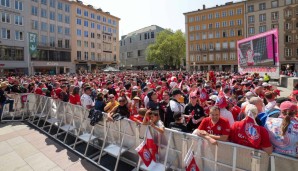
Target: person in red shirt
{"points": [[38, 90], [248, 133], [74, 97], [214, 127]]}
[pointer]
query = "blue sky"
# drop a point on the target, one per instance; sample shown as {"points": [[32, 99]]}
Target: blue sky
{"points": [[136, 14]]}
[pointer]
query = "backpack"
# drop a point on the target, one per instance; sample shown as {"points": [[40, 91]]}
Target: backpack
{"points": [[263, 116]]}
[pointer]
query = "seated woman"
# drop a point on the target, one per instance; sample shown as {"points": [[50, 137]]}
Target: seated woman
{"points": [[283, 131], [122, 109], [214, 127], [248, 133]]}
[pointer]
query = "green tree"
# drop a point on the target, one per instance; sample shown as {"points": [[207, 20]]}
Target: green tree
{"points": [[168, 49]]}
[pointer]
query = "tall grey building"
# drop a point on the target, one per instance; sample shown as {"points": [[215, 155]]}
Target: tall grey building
{"points": [[133, 47]]}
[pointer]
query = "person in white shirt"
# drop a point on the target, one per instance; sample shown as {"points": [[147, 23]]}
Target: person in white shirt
{"points": [[86, 100], [222, 103]]}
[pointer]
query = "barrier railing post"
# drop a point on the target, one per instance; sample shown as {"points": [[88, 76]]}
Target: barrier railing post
{"points": [[167, 152], [104, 142], [215, 157], [272, 163], [184, 150], [234, 158], [256, 161]]}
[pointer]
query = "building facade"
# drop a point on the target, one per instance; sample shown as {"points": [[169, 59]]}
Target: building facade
{"points": [[133, 47], [95, 38], [211, 37], [263, 15], [13, 39]]}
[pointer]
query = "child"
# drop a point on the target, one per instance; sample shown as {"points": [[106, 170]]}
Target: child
{"points": [[152, 118], [140, 116], [178, 124]]}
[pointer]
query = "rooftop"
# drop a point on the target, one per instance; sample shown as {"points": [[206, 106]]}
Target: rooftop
{"points": [[142, 30]]}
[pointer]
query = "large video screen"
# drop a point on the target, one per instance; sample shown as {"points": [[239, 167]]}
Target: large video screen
{"points": [[257, 52]]}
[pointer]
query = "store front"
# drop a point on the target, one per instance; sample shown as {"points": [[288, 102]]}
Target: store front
{"points": [[51, 68], [226, 68]]}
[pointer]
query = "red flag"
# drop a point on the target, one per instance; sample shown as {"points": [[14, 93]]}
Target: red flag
{"points": [[144, 153], [204, 96], [180, 85], [190, 162], [151, 145]]}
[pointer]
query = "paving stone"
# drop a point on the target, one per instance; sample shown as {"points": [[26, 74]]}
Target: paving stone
{"points": [[5, 148], [24, 168], [11, 161], [16, 140], [25, 150], [40, 162]]}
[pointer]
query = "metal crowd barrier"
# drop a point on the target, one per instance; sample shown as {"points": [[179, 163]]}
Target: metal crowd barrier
{"points": [[111, 145]]}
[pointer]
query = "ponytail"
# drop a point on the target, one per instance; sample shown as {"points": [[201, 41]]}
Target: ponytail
{"points": [[286, 121]]}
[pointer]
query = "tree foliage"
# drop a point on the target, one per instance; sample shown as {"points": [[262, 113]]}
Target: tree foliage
{"points": [[168, 49]]}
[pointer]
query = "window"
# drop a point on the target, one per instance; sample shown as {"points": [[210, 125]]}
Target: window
{"points": [[44, 2], [232, 45], [217, 15], [86, 34], [191, 48], [251, 19], [92, 45], [210, 35], [18, 20], [79, 32], [79, 11], [190, 19], [205, 58], [52, 41], [288, 52], [60, 6], [204, 47], [251, 8], [60, 42], [288, 26], [217, 34], [60, 18], [288, 2], [92, 56], [232, 56], [98, 26], [211, 46], [67, 8], [217, 25], [86, 44], [198, 18], [44, 26], [18, 5], [198, 58], [274, 15], [224, 24], [34, 11], [86, 13], [67, 31], [92, 15], [67, 43], [225, 56], [67, 19], [43, 13], [104, 19], [262, 17], [231, 23], [239, 33], [52, 15], [211, 57], [288, 13], [152, 35], [251, 30], [203, 17], [210, 16], [86, 55], [262, 29], [224, 13], [79, 55], [191, 28], [60, 29], [232, 32], [92, 35], [53, 3], [86, 23], [34, 24], [231, 12], [52, 28], [217, 57], [5, 33], [204, 27], [204, 36], [92, 25], [5, 3], [191, 38], [98, 17], [44, 40], [225, 45], [198, 47], [288, 38], [197, 27], [224, 34], [191, 57], [239, 11], [197, 36], [274, 4], [274, 26], [210, 26], [217, 46], [239, 22], [262, 6]]}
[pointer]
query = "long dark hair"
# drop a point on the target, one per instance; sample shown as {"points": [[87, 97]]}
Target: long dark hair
{"points": [[76, 90]]}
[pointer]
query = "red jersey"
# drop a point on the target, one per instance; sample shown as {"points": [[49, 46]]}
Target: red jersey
{"points": [[246, 133], [222, 127], [74, 99], [38, 91], [58, 91]]}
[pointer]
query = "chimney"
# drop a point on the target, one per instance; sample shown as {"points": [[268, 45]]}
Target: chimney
{"points": [[204, 6]]}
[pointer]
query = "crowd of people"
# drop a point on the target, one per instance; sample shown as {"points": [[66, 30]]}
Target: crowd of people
{"points": [[218, 106]]}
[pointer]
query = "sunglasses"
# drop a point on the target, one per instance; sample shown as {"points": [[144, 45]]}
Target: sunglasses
{"points": [[121, 100], [193, 97]]}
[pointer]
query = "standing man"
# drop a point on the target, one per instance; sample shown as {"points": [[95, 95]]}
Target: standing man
{"points": [[86, 100]]}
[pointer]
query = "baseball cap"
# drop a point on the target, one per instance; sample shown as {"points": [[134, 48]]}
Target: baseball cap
{"points": [[295, 92], [176, 91], [287, 105]]}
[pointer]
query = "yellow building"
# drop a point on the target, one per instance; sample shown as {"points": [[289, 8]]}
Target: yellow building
{"points": [[95, 38], [211, 37]]}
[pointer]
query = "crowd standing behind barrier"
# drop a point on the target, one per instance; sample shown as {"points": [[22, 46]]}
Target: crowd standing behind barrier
{"points": [[49, 112]]}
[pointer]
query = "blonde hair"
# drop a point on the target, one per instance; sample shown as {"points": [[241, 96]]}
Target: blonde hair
{"points": [[251, 108]]}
